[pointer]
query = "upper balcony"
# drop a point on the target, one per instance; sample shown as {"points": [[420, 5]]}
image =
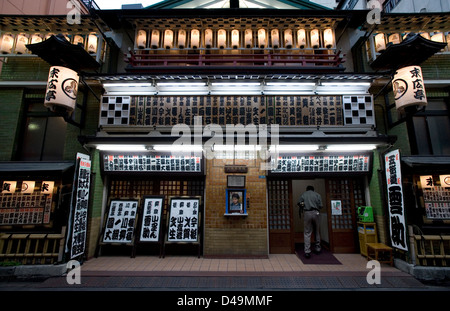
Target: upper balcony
{"points": [[233, 44]]}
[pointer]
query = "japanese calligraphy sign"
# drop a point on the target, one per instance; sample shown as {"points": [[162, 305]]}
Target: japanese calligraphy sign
{"points": [[409, 88], [81, 203], [319, 163], [221, 110], [30, 206], [28, 186], [183, 220], [151, 219], [151, 163], [9, 186], [62, 88], [426, 181], [121, 220], [395, 200]]}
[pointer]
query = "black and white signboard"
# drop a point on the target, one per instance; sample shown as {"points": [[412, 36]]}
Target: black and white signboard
{"points": [[183, 220], [151, 219], [397, 221], [80, 205], [120, 222]]}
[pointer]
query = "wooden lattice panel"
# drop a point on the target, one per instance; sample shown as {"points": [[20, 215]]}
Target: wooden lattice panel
{"points": [[237, 22], [279, 205], [48, 24], [412, 22]]}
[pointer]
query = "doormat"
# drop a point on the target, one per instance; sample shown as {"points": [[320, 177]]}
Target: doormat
{"points": [[324, 258]]}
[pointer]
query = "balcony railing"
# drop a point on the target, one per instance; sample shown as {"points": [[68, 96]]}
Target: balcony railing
{"points": [[148, 61]]}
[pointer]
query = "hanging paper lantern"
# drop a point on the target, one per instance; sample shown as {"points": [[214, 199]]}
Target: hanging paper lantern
{"points": [[274, 33], [235, 38], [195, 38], [7, 43], [141, 39], [301, 38], [409, 88], [288, 42], [22, 41], [168, 39], [181, 38], [221, 38], [62, 88]]}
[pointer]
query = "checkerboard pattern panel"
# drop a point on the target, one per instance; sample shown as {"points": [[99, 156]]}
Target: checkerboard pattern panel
{"points": [[358, 110], [115, 110]]}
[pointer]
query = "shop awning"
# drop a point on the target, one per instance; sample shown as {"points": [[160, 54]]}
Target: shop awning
{"points": [[426, 161], [57, 51], [38, 166], [414, 50]]}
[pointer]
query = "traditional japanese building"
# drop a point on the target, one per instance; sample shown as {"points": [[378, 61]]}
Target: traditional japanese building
{"points": [[38, 158], [215, 99], [198, 124], [413, 41]]}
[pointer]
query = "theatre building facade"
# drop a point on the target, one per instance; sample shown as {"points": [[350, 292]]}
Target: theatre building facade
{"points": [[214, 104], [197, 129]]}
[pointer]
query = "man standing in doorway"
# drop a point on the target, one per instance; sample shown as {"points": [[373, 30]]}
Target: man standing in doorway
{"points": [[312, 204]]}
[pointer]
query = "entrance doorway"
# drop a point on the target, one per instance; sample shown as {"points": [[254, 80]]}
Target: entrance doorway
{"points": [[338, 230]]}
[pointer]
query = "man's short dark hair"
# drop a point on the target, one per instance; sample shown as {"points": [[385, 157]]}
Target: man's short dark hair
{"points": [[235, 195], [310, 188]]}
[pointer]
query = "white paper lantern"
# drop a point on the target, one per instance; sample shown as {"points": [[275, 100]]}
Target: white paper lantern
{"points": [[235, 38], [409, 88], [315, 39], [195, 38], [78, 39], [394, 38], [7, 43], [154, 41], [380, 42], [288, 41], [301, 38], [9, 186], [208, 38], [168, 39], [221, 38], [21, 42], [181, 39], [62, 88], [261, 38], [248, 36], [141, 40], [92, 43], [438, 37], [36, 38], [328, 38], [426, 35], [275, 35]]}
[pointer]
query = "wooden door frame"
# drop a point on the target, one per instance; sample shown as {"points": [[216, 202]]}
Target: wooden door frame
{"points": [[331, 232]]}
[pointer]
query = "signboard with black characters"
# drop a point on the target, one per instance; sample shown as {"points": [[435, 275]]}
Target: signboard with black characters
{"points": [[152, 211], [120, 222], [397, 223], [183, 220], [151, 163], [321, 164], [221, 110], [26, 202], [80, 209]]}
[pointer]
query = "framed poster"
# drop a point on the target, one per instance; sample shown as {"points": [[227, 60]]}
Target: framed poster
{"points": [[183, 221], [120, 222], [336, 207], [235, 202], [151, 219]]}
